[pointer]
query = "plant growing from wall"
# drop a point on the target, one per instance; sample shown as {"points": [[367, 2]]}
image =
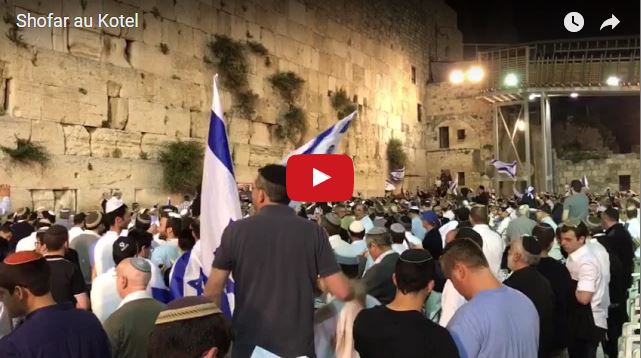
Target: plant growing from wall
{"points": [[27, 152], [292, 125], [246, 103], [182, 164], [164, 48], [342, 104], [257, 48], [288, 84], [14, 33], [232, 64], [396, 156]]}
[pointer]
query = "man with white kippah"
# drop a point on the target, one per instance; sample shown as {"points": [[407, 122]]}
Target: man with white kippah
{"points": [[131, 324], [357, 235], [417, 224], [117, 219], [85, 242]]}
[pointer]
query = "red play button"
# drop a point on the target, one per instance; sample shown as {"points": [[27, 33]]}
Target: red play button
{"points": [[320, 177]]}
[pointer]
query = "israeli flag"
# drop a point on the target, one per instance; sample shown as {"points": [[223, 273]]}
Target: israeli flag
{"points": [[219, 206], [454, 185], [327, 141], [508, 169], [584, 181]]}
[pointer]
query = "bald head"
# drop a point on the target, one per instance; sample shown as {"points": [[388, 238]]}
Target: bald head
{"points": [[133, 274]]}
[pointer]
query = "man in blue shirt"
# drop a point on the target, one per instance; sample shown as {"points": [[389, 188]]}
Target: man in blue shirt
{"points": [[48, 329], [497, 321]]}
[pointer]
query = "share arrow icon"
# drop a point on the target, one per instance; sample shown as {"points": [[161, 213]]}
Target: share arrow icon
{"points": [[613, 21]]}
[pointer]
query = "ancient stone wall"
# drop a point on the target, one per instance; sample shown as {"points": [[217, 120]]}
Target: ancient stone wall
{"points": [[601, 173], [102, 101]]}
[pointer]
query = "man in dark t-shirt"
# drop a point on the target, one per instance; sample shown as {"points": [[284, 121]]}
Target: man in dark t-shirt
{"points": [[67, 283], [400, 329], [275, 258]]}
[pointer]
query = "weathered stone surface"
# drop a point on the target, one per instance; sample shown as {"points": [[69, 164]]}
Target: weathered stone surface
{"points": [[18, 128], [260, 134], [240, 154], [239, 130], [103, 142], [261, 156], [152, 31], [85, 43], [114, 51], [149, 58], [152, 143], [50, 135], [118, 112], [199, 124], [77, 141], [177, 123], [146, 117]]}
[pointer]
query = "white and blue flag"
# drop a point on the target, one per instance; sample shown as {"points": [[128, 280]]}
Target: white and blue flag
{"points": [[220, 205], [327, 141], [508, 169]]}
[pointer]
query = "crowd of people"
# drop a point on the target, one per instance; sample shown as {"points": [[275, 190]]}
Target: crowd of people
{"points": [[426, 274]]}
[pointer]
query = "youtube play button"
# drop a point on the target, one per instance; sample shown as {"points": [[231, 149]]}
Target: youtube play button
{"points": [[320, 177]]}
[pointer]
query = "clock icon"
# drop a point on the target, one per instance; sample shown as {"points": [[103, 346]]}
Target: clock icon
{"points": [[573, 21]]}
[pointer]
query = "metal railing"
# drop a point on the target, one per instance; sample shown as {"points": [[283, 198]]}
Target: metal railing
{"points": [[561, 63]]}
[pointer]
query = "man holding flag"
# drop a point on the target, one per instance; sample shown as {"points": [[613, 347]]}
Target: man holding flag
{"points": [[275, 257]]}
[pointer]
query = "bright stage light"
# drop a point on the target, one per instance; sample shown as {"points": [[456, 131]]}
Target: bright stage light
{"points": [[475, 74], [613, 81], [457, 77], [511, 80], [574, 95]]}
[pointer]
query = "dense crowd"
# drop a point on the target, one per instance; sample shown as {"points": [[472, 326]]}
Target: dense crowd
{"points": [[434, 273]]}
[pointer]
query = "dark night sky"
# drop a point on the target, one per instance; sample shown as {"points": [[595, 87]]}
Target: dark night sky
{"points": [[505, 21]]}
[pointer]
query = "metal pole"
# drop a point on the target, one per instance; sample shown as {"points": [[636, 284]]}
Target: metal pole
{"points": [[544, 142], [496, 147], [549, 177], [526, 118]]}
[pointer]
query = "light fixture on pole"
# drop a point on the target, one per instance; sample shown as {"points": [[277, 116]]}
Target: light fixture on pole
{"points": [[511, 80], [574, 95], [534, 96], [613, 81], [520, 125]]}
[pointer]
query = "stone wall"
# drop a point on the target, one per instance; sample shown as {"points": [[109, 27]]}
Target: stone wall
{"points": [[103, 101], [457, 108], [601, 173]]}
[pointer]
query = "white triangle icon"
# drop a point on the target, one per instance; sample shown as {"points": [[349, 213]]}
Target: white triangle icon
{"points": [[318, 177]]}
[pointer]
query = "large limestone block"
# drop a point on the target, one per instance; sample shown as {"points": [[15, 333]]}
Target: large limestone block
{"points": [[50, 135], [40, 37], [260, 134], [146, 174], [77, 141], [199, 124], [261, 156], [17, 128], [85, 43], [239, 130], [110, 173], [146, 117], [118, 112], [152, 143], [152, 33], [103, 142], [240, 154], [128, 144], [177, 123], [42, 198], [148, 57], [114, 51]]}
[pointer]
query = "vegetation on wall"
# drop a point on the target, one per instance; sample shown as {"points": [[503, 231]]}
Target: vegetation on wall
{"points": [[257, 48], [182, 164], [342, 104], [27, 152], [232, 64], [14, 33], [233, 69], [288, 84], [292, 125], [396, 156]]}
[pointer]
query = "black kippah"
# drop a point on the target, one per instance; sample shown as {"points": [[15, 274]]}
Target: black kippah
{"points": [[469, 233], [274, 174], [415, 256], [531, 244]]}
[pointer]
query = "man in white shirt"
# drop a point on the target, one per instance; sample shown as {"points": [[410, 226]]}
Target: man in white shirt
{"points": [[633, 223], [331, 223], [78, 224], [399, 243], [5, 199], [493, 246], [361, 214], [117, 218], [357, 236], [417, 223], [591, 288], [104, 292]]}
